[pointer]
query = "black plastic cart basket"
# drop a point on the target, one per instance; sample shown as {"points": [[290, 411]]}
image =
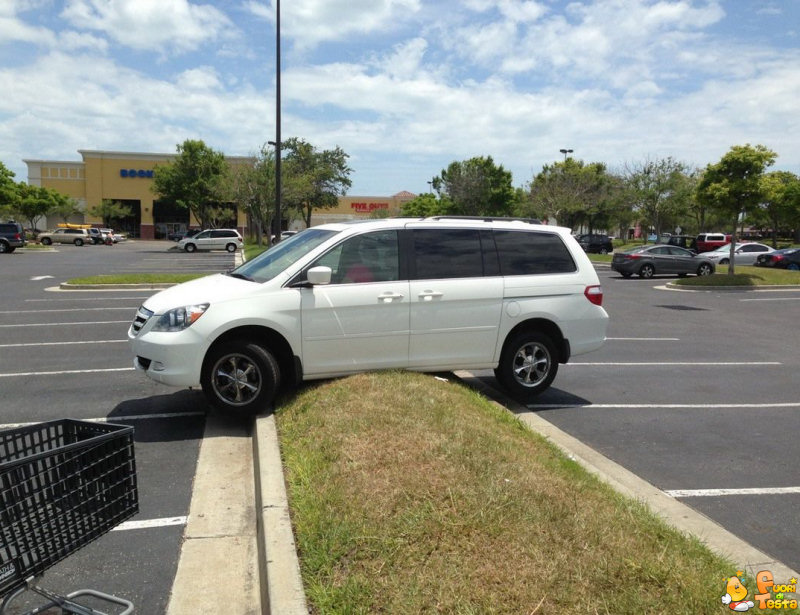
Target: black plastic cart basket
{"points": [[63, 484]]}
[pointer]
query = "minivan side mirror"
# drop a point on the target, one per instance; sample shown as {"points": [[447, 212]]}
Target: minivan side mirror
{"points": [[319, 276]]}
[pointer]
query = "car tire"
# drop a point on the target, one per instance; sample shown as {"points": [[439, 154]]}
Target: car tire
{"points": [[190, 247], [240, 377], [5, 248], [47, 241], [725, 261], [603, 250], [528, 364], [793, 267], [647, 271], [231, 247], [78, 242], [705, 269]]}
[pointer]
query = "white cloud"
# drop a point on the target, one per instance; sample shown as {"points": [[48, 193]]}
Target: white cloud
{"points": [[150, 24]]}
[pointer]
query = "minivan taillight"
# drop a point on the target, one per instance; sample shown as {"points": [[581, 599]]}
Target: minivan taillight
{"points": [[594, 294]]}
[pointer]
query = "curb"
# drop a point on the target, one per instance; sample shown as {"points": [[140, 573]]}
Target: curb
{"points": [[282, 590]]}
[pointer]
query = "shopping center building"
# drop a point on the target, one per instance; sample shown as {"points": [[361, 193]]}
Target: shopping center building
{"points": [[127, 178]]}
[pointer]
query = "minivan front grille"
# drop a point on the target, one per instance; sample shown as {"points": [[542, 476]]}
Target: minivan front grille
{"points": [[142, 316]]}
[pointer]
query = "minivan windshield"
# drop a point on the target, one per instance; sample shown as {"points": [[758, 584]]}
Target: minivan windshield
{"points": [[269, 264]]}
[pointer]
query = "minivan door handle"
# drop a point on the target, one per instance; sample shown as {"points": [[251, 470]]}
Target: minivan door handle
{"points": [[388, 297], [429, 295]]}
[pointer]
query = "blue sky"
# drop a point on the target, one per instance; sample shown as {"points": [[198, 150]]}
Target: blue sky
{"points": [[404, 86]]}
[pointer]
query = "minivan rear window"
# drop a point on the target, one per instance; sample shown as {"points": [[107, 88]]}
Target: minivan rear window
{"points": [[529, 253]]}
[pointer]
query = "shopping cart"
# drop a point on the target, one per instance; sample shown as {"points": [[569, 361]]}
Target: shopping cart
{"points": [[63, 484]]}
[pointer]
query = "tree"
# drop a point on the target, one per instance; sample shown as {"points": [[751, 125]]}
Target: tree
{"points": [[734, 185], [426, 205], [780, 205], [108, 210], [195, 180], [36, 202], [253, 187], [660, 191], [313, 179], [9, 192], [574, 193], [476, 187]]}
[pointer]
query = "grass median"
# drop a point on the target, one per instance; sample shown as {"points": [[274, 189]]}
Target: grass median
{"points": [[411, 495]]}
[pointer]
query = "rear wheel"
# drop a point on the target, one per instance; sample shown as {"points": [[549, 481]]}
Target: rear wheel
{"points": [[240, 377], [793, 267], [705, 269], [647, 271], [231, 247], [4, 247], [528, 364]]}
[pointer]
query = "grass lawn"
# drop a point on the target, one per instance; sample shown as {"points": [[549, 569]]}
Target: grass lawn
{"points": [[413, 495]]}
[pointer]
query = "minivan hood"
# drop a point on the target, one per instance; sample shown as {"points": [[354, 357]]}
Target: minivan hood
{"points": [[202, 290]]}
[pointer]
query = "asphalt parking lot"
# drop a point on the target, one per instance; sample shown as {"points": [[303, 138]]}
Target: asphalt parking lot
{"points": [[695, 392], [65, 354]]}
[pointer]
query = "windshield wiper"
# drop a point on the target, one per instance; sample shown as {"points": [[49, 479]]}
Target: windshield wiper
{"points": [[241, 276]]}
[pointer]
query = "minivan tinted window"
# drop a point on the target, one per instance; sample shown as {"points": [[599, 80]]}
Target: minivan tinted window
{"points": [[526, 253], [447, 253]]}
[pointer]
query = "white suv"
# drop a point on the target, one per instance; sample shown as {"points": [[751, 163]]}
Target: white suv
{"points": [[435, 294]]}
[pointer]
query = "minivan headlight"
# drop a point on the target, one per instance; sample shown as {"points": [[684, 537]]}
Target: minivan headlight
{"points": [[180, 318]]}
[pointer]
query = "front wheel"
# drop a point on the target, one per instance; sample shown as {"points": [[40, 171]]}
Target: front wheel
{"points": [[725, 261], [705, 269], [78, 242], [528, 364], [46, 241], [240, 377], [793, 267], [190, 247], [647, 271]]}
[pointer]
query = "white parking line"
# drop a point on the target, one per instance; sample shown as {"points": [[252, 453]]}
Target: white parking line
{"points": [[113, 419], [97, 309], [69, 371], [686, 363], [643, 339], [662, 406], [61, 343], [68, 324], [704, 493], [150, 523]]}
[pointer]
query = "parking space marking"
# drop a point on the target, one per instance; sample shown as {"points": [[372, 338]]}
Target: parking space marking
{"points": [[97, 309], [69, 371], [127, 417], [150, 523], [791, 404], [92, 299], [68, 324], [700, 493], [60, 343], [643, 339], [686, 363]]}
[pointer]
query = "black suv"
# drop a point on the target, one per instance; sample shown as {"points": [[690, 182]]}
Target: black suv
{"points": [[597, 244], [12, 236]]}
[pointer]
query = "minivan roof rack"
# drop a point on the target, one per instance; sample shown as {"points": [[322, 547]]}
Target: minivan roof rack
{"points": [[488, 219]]}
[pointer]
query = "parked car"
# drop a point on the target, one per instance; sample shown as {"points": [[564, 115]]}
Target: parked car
{"points": [[596, 244], [426, 295], [12, 236], [705, 242], [96, 235], [647, 261], [788, 258], [744, 253], [213, 239], [77, 236], [689, 242]]}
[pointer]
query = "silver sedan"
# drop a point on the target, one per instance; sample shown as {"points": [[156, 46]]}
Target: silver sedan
{"points": [[744, 254]]}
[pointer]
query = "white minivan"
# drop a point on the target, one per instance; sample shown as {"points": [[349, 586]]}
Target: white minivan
{"points": [[433, 294]]}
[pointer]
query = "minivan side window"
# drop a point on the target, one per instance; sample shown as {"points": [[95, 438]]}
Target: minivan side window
{"points": [[371, 257], [528, 253], [447, 253]]}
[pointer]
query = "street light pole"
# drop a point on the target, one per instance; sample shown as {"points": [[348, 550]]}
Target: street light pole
{"points": [[565, 152], [278, 121]]}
